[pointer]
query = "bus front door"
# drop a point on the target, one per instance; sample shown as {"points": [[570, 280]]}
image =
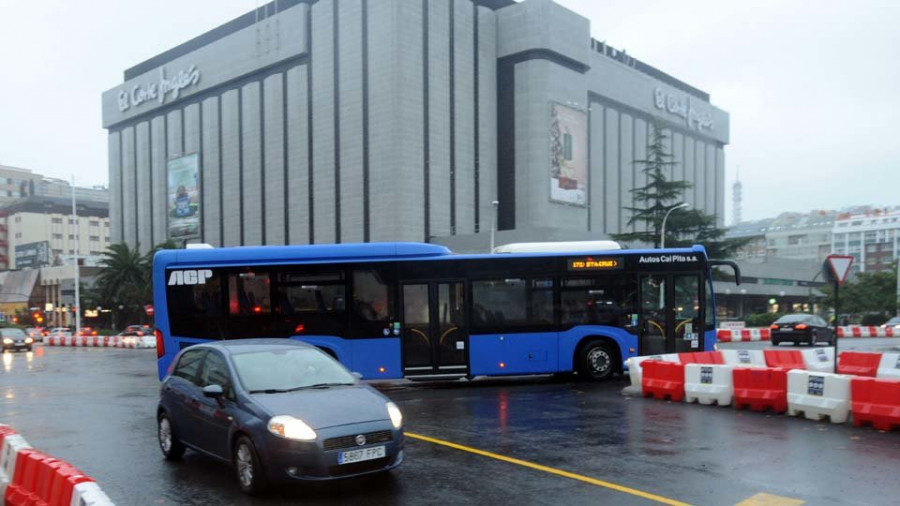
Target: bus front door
{"points": [[435, 341], [671, 313]]}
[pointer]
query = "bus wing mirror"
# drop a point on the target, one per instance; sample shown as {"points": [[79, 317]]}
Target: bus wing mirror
{"points": [[728, 263]]}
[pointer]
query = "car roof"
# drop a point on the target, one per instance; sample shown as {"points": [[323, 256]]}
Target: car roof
{"points": [[236, 346]]}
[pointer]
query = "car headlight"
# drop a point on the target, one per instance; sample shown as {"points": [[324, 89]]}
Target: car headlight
{"points": [[289, 427], [7, 340], [28, 340], [395, 414]]}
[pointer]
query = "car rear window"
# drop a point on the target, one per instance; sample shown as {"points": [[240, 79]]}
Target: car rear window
{"points": [[793, 318]]}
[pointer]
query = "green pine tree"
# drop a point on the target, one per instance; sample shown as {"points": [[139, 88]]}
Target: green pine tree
{"points": [[684, 227]]}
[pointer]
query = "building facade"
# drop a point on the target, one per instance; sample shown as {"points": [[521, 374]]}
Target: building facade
{"points": [[40, 231], [328, 121], [872, 238]]}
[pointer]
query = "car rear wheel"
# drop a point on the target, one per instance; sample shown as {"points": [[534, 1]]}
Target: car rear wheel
{"points": [[169, 444], [246, 466]]}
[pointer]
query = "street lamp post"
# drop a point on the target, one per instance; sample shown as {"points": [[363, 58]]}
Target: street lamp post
{"points": [[495, 204], [662, 234], [77, 246]]}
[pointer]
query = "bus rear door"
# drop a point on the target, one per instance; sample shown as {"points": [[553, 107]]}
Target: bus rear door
{"points": [[672, 313]]}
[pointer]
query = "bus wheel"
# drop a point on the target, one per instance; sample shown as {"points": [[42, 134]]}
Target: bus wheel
{"points": [[595, 362]]}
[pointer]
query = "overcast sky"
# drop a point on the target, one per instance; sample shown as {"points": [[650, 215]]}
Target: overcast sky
{"points": [[811, 86]]}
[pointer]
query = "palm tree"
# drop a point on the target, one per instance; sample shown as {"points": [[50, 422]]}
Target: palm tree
{"points": [[123, 279]]}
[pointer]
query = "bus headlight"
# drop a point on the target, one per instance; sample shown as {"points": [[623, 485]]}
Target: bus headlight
{"points": [[395, 414], [289, 427]]}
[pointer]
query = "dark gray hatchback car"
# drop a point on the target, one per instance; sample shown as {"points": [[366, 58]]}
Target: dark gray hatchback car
{"points": [[276, 410]]}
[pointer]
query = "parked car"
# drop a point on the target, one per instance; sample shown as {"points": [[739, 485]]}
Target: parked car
{"points": [[36, 333], [276, 410], [137, 330], [61, 332], [801, 328], [893, 322], [15, 339]]}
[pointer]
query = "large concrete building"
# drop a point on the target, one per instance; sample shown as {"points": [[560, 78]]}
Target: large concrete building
{"points": [[872, 238], [374, 120]]}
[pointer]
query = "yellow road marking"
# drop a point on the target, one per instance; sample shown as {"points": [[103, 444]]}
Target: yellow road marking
{"points": [[551, 470], [764, 499]]}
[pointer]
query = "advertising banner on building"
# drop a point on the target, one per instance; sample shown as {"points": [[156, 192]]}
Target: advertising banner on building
{"points": [[184, 197], [32, 255], [568, 155]]}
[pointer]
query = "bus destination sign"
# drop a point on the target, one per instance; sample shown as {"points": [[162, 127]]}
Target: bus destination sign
{"points": [[596, 264]]}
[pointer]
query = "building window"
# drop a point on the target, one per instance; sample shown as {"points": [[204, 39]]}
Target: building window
{"points": [[95, 238], [57, 236], [71, 237], [57, 220], [95, 223]]}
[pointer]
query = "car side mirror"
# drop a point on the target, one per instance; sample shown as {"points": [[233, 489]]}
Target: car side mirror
{"points": [[357, 375], [214, 391]]}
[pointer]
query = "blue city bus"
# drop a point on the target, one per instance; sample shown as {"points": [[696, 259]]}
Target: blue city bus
{"points": [[418, 311]]}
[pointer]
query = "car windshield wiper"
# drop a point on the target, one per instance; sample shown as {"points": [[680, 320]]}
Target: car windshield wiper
{"points": [[319, 385], [271, 391]]}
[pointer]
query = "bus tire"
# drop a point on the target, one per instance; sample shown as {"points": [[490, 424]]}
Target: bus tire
{"points": [[596, 361]]}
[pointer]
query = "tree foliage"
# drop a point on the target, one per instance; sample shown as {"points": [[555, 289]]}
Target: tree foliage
{"points": [[684, 227], [871, 292], [125, 278]]}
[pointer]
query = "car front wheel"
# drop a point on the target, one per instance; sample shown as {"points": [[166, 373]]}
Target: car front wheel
{"points": [[169, 444], [246, 466]]}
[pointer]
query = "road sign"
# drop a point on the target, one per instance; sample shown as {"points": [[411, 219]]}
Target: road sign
{"points": [[148, 309], [839, 266]]}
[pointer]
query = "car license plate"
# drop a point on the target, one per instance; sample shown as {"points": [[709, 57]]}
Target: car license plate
{"points": [[376, 452]]}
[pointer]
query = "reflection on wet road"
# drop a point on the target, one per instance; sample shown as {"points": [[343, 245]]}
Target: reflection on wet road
{"points": [[95, 408]]}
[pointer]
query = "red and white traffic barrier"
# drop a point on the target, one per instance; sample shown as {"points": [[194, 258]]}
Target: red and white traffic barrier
{"points": [[764, 334], [739, 335], [793, 381], [31, 477], [102, 341], [858, 331]]}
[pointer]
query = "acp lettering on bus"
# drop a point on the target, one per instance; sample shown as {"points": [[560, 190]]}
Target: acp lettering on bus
{"points": [[190, 277], [596, 264]]}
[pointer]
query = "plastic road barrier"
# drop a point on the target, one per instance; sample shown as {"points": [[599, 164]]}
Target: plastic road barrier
{"points": [[819, 359], [635, 371], [785, 359], [816, 395], [875, 401], [663, 379], [748, 358], [708, 384], [859, 363], [10, 446], [857, 331], [759, 388], [702, 357], [30, 477], [736, 335], [889, 366]]}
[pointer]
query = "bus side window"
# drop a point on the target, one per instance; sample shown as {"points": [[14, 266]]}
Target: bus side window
{"points": [[372, 304]]}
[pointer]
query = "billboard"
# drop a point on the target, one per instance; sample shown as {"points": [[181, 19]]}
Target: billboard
{"points": [[568, 155], [32, 255], [184, 197]]}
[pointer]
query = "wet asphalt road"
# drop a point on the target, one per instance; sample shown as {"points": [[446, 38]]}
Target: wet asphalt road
{"points": [[95, 408]]}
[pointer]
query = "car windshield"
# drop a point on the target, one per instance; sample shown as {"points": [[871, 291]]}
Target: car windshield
{"points": [[793, 318], [12, 333], [894, 321], [284, 370]]}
